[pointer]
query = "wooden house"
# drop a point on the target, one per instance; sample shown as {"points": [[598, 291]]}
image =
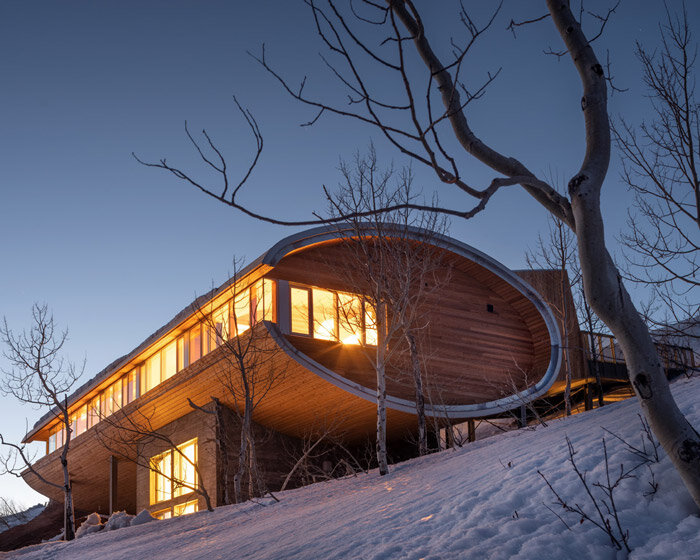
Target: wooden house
{"points": [[493, 343]]}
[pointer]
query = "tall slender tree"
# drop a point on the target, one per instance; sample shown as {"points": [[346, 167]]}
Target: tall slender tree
{"points": [[430, 105], [557, 251], [39, 375], [393, 271]]}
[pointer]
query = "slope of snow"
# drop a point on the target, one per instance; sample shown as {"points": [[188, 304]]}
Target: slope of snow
{"points": [[21, 517], [482, 501]]}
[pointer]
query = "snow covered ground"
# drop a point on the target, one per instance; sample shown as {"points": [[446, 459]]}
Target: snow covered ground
{"points": [[482, 501], [21, 517]]}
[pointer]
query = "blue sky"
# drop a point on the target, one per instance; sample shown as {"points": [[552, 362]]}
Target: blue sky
{"points": [[116, 249]]}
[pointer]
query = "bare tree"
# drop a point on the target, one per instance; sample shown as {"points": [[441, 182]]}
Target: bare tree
{"points": [[414, 124], [558, 252], [40, 376], [394, 273], [248, 370], [132, 437], [661, 166], [10, 514], [321, 454]]}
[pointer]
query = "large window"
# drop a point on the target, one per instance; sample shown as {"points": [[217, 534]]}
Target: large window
{"points": [[173, 473], [328, 315], [300, 309], [324, 314], [169, 360], [241, 309], [349, 319], [152, 377], [162, 473]]}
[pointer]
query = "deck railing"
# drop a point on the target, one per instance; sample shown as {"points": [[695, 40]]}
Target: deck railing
{"points": [[605, 348]]}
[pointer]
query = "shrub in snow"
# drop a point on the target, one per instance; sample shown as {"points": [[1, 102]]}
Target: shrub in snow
{"points": [[118, 520], [143, 517], [92, 524]]}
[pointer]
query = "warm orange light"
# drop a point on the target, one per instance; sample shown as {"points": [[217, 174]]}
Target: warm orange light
{"points": [[352, 339]]}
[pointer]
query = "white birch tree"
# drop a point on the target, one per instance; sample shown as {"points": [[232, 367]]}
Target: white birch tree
{"points": [[40, 376], [430, 104]]}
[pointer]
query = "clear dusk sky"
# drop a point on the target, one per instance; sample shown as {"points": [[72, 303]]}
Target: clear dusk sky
{"points": [[116, 249]]}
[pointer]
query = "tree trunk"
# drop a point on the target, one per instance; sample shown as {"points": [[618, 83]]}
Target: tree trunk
{"points": [[565, 335], [594, 354], [602, 283], [68, 509], [242, 455], [420, 397], [381, 390], [221, 437], [256, 481]]}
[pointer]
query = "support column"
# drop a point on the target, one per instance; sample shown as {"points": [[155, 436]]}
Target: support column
{"points": [[588, 395], [471, 430], [449, 437], [113, 474], [522, 420]]}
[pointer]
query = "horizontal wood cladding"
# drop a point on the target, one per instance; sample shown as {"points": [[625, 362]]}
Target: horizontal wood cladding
{"points": [[483, 338], [549, 285]]}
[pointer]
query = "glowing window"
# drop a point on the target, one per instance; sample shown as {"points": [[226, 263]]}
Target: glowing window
{"points": [[152, 371], [349, 319], [163, 514], [173, 473], [81, 420], [300, 310], [370, 325], [268, 300], [184, 509], [207, 338], [324, 314], [182, 353], [52, 443], [161, 477], [94, 412], [195, 343], [169, 360], [132, 385], [185, 476], [220, 319], [241, 310], [116, 395], [107, 403], [257, 306]]}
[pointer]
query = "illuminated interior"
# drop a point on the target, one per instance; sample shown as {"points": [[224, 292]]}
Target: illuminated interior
{"points": [[173, 473], [252, 305], [327, 315]]}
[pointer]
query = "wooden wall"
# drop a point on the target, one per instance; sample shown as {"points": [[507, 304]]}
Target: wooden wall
{"points": [[483, 336], [549, 284]]}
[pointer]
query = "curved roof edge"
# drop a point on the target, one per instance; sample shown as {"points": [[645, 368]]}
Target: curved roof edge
{"points": [[328, 233]]}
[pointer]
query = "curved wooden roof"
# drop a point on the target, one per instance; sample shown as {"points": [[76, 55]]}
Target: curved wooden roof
{"points": [[482, 363]]}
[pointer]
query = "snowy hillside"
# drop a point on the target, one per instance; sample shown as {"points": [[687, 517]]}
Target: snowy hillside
{"points": [[482, 501], [21, 517]]}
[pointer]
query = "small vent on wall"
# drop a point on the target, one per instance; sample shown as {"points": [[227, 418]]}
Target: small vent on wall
{"points": [[489, 308]]}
